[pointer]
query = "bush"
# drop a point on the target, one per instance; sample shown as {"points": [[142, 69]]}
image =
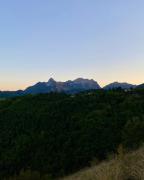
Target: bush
{"points": [[133, 133]]}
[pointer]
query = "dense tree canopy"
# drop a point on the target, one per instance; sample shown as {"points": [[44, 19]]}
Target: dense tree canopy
{"points": [[57, 134]]}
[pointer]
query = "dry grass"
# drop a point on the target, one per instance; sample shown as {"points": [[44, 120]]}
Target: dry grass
{"points": [[128, 166]]}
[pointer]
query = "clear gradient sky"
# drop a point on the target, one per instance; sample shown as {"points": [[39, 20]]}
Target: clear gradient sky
{"points": [[66, 39]]}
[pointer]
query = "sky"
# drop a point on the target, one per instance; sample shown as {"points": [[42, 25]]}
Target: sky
{"points": [[66, 39]]}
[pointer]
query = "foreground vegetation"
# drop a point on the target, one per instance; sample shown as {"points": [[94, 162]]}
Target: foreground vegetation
{"points": [[53, 135], [128, 166], [123, 166]]}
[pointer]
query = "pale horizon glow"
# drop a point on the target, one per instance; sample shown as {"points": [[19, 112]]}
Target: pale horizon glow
{"points": [[68, 39]]}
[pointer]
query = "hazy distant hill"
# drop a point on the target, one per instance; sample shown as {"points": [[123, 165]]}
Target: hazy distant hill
{"points": [[141, 86], [6, 94], [119, 85]]}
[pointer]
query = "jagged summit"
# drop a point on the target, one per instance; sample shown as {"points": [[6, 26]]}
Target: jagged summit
{"points": [[83, 80], [51, 82]]}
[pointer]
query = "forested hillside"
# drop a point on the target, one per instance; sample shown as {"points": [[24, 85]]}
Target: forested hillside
{"points": [[58, 134]]}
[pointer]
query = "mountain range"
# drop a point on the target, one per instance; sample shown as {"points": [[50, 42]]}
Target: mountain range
{"points": [[70, 87]]}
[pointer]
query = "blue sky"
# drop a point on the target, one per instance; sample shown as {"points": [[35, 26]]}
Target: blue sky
{"points": [[66, 39]]}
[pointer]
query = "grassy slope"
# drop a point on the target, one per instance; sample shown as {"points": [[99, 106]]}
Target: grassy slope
{"points": [[128, 166]]}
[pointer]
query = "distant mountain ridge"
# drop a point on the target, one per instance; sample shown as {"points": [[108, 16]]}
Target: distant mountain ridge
{"points": [[115, 85], [141, 86], [75, 86], [70, 87]]}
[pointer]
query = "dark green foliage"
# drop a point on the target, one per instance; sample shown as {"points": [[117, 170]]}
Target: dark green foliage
{"points": [[29, 175], [57, 134], [133, 133]]}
